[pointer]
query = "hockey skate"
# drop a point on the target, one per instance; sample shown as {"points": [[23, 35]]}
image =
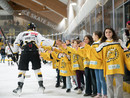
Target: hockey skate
{"points": [[41, 87], [18, 90]]}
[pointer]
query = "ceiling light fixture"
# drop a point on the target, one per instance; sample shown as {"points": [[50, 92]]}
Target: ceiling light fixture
{"points": [[73, 3], [19, 14]]}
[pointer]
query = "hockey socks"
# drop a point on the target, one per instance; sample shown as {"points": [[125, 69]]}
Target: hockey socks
{"points": [[38, 75], [40, 80], [21, 76]]}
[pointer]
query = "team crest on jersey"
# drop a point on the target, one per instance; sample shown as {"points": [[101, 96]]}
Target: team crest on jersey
{"points": [[112, 54], [75, 58], [128, 55], [63, 64]]}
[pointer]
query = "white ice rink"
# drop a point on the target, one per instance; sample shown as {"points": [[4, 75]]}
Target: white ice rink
{"points": [[8, 82]]}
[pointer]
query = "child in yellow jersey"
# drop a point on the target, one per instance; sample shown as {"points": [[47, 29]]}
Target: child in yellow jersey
{"points": [[65, 69], [55, 63], [89, 73], [91, 88], [98, 66], [54, 55], [111, 53], [113, 61], [77, 65]]}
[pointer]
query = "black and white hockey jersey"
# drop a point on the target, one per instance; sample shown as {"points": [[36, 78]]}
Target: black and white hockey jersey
{"points": [[31, 36]]}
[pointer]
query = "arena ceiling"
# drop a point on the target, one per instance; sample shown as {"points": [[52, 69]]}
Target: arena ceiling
{"points": [[53, 10]]}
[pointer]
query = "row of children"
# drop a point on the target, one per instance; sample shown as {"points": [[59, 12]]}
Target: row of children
{"points": [[103, 58]]}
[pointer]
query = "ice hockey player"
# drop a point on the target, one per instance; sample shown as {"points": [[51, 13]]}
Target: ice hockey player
{"points": [[9, 54], [30, 40]]}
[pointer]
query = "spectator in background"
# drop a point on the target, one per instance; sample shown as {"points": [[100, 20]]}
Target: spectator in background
{"points": [[68, 42], [126, 34], [9, 54], [126, 39], [17, 23], [3, 54]]}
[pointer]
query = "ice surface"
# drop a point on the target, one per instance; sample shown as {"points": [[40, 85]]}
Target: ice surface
{"points": [[8, 82]]}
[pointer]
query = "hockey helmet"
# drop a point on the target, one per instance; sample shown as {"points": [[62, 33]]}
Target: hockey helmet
{"points": [[31, 26]]}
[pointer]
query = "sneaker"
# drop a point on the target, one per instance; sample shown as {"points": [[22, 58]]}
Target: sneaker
{"points": [[57, 85], [76, 88], [41, 89], [41, 86], [68, 90], [79, 91], [82, 86], [98, 96], [87, 94], [93, 95], [105, 96], [63, 87]]}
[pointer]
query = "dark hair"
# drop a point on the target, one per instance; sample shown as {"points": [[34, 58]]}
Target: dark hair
{"points": [[59, 40], [127, 32], [68, 40], [72, 41], [90, 39], [114, 36], [98, 33], [78, 41]]}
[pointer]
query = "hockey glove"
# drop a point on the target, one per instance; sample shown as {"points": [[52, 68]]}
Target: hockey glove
{"points": [[44, 61], [15, 57]]}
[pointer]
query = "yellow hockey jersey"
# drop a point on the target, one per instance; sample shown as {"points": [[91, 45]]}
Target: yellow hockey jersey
{"points": [[112, 56], [45, 56], [76, 60], [94, 62], [127, 58], [65, 66], [86, 62], [56, 61]]}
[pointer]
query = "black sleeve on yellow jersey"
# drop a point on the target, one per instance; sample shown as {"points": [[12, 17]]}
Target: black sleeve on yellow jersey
{"points": [[51, 56], [57, 60]]}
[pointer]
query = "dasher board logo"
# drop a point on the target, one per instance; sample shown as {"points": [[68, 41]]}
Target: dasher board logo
{"points": [[112, 54]]}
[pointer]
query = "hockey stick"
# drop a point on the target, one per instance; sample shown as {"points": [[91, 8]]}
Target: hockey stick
{"points": [[8, 43], [27, 76]]}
